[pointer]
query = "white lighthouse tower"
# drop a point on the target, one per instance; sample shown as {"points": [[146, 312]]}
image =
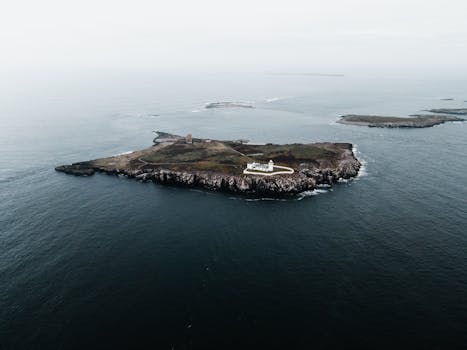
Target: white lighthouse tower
{"points": [[271, 166]]}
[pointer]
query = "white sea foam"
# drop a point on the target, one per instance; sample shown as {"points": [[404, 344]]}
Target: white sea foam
{"points": [[310, 193], [323, 186], [196, 111], [265, 199], [363, 169], [305, 194], [362, 172], [123, 153], [206, 192], [273, 99]]}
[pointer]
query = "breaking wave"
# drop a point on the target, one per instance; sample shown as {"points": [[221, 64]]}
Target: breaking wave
{"points": [[273, 99], [310, 193], [363, 169]]}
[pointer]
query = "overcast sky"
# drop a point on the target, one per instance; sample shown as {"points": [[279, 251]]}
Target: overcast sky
{"points": [[332, 35]]}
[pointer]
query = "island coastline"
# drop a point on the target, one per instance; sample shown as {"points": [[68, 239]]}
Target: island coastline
{"points": [[218, 165], [413, 121]]}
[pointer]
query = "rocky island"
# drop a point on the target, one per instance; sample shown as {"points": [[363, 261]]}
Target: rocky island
{"points": [[455, 111], [414, 121], [228, 105], [231, 166]]}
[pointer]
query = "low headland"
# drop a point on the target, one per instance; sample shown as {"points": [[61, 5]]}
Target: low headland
{"points": [[230, 166], [414, 121]]}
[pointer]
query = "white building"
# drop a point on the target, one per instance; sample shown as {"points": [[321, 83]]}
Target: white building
{"points": [[261, 167]]}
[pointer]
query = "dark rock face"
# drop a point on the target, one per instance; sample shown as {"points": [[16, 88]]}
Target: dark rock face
{"points": [[220, 166], [79, 169], [281, 185]]}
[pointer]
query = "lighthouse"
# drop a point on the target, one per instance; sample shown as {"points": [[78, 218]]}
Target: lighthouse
{"points": [[271, 166]]}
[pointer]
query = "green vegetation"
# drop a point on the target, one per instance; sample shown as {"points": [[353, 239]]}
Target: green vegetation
{"points": [[231, 157], [213, 156], [221, 164], [290, 155]]}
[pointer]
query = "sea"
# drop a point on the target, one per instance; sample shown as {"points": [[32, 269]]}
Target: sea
{"points": [[105, 262]]}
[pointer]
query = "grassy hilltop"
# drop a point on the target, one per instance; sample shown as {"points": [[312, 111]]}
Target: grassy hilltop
{"points": [[227, 157]]}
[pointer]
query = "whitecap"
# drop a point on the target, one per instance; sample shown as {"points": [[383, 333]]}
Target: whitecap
{"points": [[363, 169], [310, 193], [264, 199], [273, 99], [362, 172], [323, 186]]}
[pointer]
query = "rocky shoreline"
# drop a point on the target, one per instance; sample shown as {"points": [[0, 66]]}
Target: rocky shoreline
{"points": [[414, 121], [304, 180], [340, 164]]}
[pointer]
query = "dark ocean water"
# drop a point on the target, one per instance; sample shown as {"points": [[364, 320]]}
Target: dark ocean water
{"points": [[107, 262]]}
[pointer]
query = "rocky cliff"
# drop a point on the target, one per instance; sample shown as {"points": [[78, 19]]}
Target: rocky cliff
{"points": [[307, 178], [218, 165]]}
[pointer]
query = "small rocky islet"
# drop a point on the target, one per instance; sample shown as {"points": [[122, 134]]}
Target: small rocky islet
{"points": [[455, 111], [439, 116], [220, 165], [228, 104]]}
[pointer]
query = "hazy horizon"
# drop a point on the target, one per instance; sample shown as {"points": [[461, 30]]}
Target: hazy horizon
{"points": [[297, 36]]}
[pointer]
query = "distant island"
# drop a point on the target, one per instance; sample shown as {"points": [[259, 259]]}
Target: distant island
{"points": [[311, 74], [232, 166], [455, 111], [414, 121], [228, 105]]}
